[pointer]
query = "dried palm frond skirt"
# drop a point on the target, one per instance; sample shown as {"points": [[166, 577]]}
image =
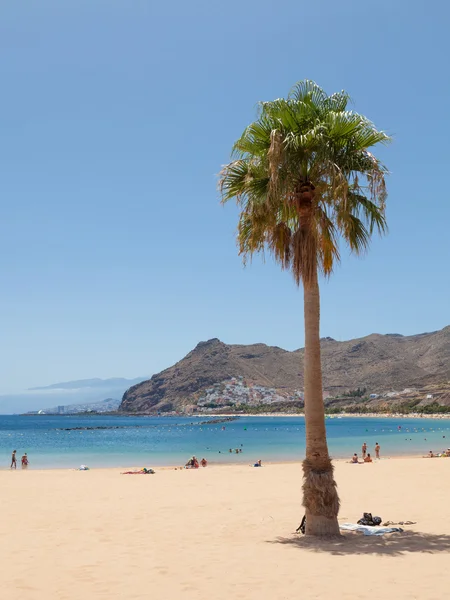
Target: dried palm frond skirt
{"points": [[320, 495]]}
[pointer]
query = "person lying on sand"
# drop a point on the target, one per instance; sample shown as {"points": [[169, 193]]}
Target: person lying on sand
{"points": [[143, 471], [430, 454], [368, 459]]}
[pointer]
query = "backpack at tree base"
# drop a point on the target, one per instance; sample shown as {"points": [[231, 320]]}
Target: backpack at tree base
{"points": [[302, 526], [367, 519]]}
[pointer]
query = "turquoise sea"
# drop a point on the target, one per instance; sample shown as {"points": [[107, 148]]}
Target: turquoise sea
{"points": [[54, 441]]}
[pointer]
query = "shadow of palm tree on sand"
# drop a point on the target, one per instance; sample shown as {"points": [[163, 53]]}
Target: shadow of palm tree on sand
{"points": [[392, 544]]}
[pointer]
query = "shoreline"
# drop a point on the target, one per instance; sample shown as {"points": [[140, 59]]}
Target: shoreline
{"points": [[214, 465], [341, 415], [335, 415]]}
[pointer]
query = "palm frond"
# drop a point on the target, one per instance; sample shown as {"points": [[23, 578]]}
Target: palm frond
{"points": [[367, 136], [279, 242], [251, 234], [242, 178], [275, 156], [308, 91], [280, 113], [255, 139], [232, 182], [354, 232], [327, 241], [337, 101], [343, 124], [373, 214]]}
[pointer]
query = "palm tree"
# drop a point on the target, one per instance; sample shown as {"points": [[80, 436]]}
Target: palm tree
{"points": [[304, 179]]}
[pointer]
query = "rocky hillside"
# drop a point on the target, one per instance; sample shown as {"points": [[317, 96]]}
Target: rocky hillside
{"points": [[216, 375]]}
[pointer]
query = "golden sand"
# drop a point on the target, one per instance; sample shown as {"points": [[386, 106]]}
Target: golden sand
{"points": [[220, 533]]}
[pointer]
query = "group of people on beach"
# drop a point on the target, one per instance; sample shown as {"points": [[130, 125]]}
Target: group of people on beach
{"points": [[366, 458], [193, 463], [432, 454], [14, 460]]}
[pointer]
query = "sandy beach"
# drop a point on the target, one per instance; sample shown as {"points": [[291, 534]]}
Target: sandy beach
{"points": [[219, 533]]}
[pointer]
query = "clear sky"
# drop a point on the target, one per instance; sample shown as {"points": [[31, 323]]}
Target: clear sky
{"points": [[116, 116]]}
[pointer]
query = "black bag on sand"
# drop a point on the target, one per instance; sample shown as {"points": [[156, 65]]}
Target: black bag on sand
{"points": [[367, 519]]}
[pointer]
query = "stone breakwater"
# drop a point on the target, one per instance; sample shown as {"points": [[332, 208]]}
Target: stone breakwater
{"points": [[207, 422]]}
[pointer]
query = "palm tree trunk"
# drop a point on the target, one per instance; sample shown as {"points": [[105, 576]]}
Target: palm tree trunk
{"points": [[320, 497]]}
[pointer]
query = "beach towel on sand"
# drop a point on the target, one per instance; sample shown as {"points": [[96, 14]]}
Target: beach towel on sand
{"points": [[368, 530]]}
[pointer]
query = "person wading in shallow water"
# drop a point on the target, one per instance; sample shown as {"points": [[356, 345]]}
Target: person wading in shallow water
{"points": [[13, 460]]}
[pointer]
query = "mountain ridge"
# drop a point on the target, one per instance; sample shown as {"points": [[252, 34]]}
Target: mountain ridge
{"points": [[378, 362]]}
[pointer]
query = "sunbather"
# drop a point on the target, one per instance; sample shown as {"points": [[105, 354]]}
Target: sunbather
{"points": [[143, 471]]}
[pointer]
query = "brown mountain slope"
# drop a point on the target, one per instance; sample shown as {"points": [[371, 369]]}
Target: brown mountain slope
{"points": [[378, 362]]}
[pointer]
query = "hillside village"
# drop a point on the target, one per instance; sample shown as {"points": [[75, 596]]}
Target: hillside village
{"points": [[237, 391], [236, 394]]}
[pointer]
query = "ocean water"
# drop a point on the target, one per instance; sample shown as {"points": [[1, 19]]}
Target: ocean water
{"points": [[53, 441]]}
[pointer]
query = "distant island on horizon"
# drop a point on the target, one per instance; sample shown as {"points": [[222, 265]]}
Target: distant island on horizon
{"points": [[83, 393]]}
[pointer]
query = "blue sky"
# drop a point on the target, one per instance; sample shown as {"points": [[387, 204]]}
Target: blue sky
{"points": [[115, 255]]}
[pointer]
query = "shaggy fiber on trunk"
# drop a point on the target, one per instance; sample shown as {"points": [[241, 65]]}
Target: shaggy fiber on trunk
{"points": [[320, 495]]}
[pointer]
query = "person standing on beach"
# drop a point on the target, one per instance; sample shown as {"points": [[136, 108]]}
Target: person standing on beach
{"points": [[13, 460], [25, 461], [377, 450], [364, 450]]}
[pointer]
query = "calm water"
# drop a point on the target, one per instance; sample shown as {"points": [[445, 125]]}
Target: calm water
{"points": [[153, 441]]}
